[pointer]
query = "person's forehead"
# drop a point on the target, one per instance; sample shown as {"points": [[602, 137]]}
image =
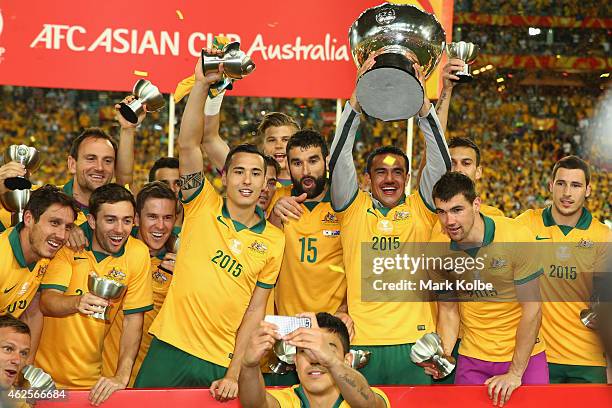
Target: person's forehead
{"points": [[159, 205], [167, 173], [388, 160], [456, 200], [280, 131], [247, 160], [12, 335], [305, 152], [119, 209], [57, 210], [570, 175], [462, 152], [96, 145]]}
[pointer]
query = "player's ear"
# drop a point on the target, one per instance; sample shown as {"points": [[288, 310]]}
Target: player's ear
{"points": [[588, 191], [348, 359], [91, 220]]}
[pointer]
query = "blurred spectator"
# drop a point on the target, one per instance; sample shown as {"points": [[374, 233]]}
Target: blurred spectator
{"points": [[565, 8]]}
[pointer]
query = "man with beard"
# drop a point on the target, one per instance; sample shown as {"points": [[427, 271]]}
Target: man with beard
{"points": [[501, 345], [575, 353], [68, 305], [228, 263], [26, 250], [155, 216], [384, 219], [323, 364]]}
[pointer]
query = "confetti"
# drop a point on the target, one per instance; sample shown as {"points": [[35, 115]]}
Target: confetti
{"points": [[179, 14], [389, 160], [141, 73]]}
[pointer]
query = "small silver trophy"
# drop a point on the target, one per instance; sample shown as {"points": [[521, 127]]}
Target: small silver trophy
{"points": [[15, 201], [467, 52], [361, 358], [588, 317], [105, 288], [236, 65], [26, 155], [285, 352], [399, 36], [146, 94], [427, 350]]}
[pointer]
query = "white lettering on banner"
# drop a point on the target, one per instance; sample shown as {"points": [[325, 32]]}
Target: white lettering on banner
{"points": [[135, 42], [329, 51]]}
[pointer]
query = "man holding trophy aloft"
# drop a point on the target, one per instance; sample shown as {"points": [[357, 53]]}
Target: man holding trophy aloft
{"points": [[393, 43]]}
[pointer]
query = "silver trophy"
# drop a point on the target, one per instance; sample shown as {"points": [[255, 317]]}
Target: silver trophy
{"points": [[146, 94], [105, 288], [26, 155], [361, 358], [467, 52], [427, 350], [285, 352], [236, 65], [588, 317], [15, 201], [399, 36]]}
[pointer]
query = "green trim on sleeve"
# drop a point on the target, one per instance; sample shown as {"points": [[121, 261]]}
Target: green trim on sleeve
{"points": [[194, 195], [530, 277], [52, 286], [140, 309], [264, 285], [348, 204], [430, 208]]}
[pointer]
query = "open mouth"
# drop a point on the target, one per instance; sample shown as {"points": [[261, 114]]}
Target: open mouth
{"points": [[279, 156], [11, 373], [308, 182], [157, 236], [389, 190], [97, 178], [245, 192], [567, 203], [55, 245], [116, 240]]}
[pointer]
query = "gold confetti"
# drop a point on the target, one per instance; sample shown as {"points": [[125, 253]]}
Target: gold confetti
{"points": [[389, 160], [179, 14], [141, 73]]}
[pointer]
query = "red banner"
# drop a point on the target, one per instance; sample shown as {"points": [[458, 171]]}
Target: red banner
{"points": [[457, 396], [300, 48], [533, 21]]}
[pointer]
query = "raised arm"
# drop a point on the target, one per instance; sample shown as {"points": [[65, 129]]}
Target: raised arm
{"points": [[342, 172], [191, 164], [212, 144], [124, 166]]}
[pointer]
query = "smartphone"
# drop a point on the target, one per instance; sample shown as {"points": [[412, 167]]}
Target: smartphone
{"points": [[287, 324]]}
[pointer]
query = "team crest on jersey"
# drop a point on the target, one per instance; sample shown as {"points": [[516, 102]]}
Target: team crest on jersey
{"points": [[116, 275], [41, 271], [563, 253], [24, 289], [385, 226], [235, 245], [585, 243], [498, 263], [159, 277], [330, 218], [401, 215], [258, 247]]}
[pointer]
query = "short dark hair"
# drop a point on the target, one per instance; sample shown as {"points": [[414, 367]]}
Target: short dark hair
{"points": [[43, 198], [155, 189], [453, 183], [95, 133], [109, 194], [334, 325], [243, 148], [163, 163], [8, 320], [275, 119], [386, 150], [572, 163], [307, 138], [271, 162], [465, 142]]}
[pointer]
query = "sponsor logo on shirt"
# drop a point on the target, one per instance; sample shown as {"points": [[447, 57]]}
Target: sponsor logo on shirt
{"points": [[235, 246], [385, 226], [498, 263], [23, 289], [159, 277], [41, 271]]}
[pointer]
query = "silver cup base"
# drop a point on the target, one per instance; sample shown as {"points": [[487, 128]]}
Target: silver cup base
{"points": [[101, 315], [18, 183], [463, 78], [389, 94], [130, 111]]}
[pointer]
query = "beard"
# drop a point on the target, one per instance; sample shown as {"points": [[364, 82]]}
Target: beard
{"points": [[315, 190]]}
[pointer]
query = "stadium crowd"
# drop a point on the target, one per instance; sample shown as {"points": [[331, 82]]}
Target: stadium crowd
{"points": [[568, 8]]}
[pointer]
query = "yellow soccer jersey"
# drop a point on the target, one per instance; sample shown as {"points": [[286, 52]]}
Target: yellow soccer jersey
{"points": [[19, 280], [70, 348], [362, 225], [294, 397], [311, 278], [217, 268], [5, 219], [161, 283], [567, 284], [68, 188], [489, 325]]}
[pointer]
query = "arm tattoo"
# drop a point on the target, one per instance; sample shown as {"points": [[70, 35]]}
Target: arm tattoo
{"points": [[351, 381], [190, 181], [441, 100]]}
